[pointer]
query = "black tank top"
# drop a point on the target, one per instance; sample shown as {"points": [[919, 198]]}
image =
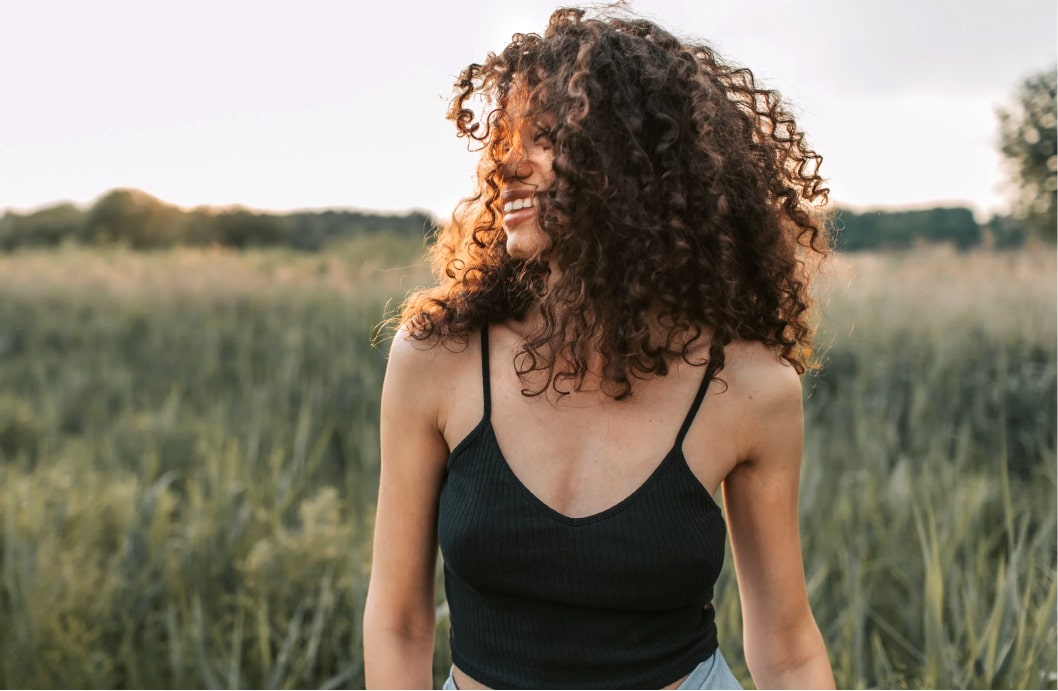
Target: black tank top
{"points": [[619, 599]]}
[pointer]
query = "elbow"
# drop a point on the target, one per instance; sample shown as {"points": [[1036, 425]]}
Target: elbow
{"points": [[795, 657], [406, 623]]}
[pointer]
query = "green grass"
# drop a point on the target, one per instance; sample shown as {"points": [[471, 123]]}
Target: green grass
{"points": [[188, 463]]}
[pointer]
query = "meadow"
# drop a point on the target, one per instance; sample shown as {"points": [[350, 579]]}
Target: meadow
{"points": [[189, 461]]}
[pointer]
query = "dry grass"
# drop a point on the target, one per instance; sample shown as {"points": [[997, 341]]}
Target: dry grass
{"points": [[188, 462]]}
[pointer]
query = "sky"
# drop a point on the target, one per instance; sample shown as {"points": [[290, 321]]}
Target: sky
{"points": [[281, 106]]}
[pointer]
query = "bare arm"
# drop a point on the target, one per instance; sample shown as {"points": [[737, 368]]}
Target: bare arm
{"points": [[783, 646], [399, 615]]}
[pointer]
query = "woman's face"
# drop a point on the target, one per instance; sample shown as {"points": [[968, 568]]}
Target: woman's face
{"points": [[527, 171]]}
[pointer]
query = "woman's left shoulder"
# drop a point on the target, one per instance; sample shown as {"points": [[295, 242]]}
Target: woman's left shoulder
{"points": [[761, 380]]}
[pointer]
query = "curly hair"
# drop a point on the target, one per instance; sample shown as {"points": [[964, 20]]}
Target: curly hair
{"points": [[685, 203]]}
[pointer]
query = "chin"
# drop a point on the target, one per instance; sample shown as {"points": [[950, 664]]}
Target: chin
{"points": [[521, 251], [527, 243], [518, 248]]}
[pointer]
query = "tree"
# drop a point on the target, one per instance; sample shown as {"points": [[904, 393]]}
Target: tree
{"points": [[47, 227], [134, 218], [1028, 139]]}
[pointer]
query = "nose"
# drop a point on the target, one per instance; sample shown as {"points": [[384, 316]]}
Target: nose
{"points": [[514, 165]]}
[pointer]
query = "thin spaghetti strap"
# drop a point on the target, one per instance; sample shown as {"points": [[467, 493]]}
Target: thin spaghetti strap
{"points": [[698, 398], [486, 387]]}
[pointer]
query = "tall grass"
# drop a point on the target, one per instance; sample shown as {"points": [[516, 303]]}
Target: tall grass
{"points": [[188, 464]]}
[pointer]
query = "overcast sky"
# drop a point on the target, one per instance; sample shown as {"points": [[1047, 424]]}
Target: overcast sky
{"points": [[326, 104]]}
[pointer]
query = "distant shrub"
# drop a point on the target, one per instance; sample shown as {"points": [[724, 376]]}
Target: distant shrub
{"points": [[20, 432]]}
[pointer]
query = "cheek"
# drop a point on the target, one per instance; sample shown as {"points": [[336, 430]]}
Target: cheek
{"points": [[547, 168], [541, 160]]}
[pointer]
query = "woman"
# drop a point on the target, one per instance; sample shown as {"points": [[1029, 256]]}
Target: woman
{"points": [[617, 332]]}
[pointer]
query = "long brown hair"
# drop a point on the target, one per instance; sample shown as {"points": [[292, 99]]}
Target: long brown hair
{"points": [[684, 196]]}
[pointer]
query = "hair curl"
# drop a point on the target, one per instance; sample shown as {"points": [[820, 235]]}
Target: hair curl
{"points": [[685, 200]]}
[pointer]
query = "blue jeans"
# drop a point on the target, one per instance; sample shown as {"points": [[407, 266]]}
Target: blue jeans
{"points": [[711, 673]]}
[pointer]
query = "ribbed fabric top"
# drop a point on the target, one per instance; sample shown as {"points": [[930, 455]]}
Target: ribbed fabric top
{"points": [[619, 599]]}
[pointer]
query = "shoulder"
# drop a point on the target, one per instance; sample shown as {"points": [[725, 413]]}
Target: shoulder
{"points": [[759, 374], [422, 373], [435, 356], [410, 352], [766, 391]]}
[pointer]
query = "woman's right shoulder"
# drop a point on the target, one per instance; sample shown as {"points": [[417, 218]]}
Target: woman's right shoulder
{"points": [[434, 354], [430, 385], [428, 370]]}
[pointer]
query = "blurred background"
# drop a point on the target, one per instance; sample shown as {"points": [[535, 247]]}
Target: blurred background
{"points": [[207, 209]]}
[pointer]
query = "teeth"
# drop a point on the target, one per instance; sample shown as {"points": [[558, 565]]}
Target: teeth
{"points": [[518, 204]]}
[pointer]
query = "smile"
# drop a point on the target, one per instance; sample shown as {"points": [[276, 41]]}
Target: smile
{"points": [[518, 207], [517, 204]]}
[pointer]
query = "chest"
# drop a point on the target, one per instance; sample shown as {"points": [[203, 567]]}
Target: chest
{"points": [[660, 547], [583, 453], [580, 460]]}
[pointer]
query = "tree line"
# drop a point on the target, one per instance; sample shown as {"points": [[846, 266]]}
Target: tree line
{"points": [[896, 230], [138, 220], [135, 219]]}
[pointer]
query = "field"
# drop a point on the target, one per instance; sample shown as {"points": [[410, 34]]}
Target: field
{"points": [[188, 464]]}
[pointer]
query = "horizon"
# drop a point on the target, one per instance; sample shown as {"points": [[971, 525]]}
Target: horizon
{"points": [[832, 205]]}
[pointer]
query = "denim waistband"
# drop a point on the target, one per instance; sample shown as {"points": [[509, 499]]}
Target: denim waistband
{"points": [[711, 673]]}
